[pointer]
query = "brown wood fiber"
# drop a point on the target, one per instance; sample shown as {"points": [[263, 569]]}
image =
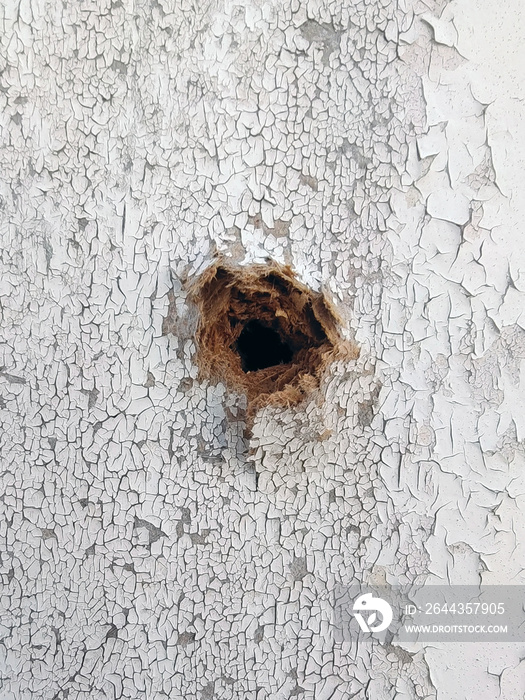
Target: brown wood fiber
{"points": [[229, 296]]}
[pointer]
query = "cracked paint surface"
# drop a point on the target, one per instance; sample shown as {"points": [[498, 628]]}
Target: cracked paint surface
{"points": [[148, 550]]}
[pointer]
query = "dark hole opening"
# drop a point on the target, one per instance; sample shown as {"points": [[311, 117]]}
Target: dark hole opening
{"points": [[260, 347]]}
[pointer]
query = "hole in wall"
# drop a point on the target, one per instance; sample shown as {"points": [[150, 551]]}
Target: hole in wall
{"points": [[262, 332], [260, 346]]}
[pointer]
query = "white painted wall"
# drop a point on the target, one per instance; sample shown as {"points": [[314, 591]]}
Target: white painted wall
{"points": [[382, 145]]}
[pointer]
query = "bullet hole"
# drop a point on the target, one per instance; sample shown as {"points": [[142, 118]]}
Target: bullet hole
{"points": [[264, 333]]}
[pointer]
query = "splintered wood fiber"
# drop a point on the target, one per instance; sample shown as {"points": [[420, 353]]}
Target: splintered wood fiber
{"points": [[229, 298]]}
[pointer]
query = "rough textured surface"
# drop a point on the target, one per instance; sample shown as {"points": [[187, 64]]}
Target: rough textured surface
{"points": [[149, 550]]}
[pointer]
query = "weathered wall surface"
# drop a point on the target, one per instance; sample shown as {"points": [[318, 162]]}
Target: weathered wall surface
{"points": [[148, 549]]}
